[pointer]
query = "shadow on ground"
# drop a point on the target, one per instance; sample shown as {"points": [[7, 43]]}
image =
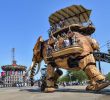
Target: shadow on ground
{"points": [[31, 90], [104, 91]]}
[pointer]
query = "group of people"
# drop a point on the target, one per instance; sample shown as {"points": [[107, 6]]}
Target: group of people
{"points": [[57, 26], [62, 41]]}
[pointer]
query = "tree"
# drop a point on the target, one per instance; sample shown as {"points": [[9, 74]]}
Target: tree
{"points": [[77, 75], [73, 76], [108, 76], [64, 79]]}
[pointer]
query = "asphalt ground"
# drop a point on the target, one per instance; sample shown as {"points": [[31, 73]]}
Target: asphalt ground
{"points": [[63, 93]]}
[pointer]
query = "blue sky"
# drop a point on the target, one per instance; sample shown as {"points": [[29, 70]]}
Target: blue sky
{"points": [[23, 21]]}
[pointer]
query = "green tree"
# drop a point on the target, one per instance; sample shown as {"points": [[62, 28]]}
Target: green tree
{"points": [[77, 75], [64, 79], [108, 76], [73, 76]]}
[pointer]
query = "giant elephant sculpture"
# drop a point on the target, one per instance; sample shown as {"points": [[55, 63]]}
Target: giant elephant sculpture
{"points": [[83, 60]]}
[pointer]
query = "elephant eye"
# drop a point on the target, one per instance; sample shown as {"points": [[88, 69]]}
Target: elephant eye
{"points": [[39, 48], [35, 51]]}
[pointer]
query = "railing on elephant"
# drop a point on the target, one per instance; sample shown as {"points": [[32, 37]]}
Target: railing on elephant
{"points": [[75, 50], [90, 29]]}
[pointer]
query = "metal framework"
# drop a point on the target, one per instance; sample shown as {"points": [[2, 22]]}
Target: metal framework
{"points": [[100, 56]]}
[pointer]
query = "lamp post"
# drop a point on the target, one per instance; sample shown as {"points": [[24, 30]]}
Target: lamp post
{"points": [[70, 77], [108, 46]]}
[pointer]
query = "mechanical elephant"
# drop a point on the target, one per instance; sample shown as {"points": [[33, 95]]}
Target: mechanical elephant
{"points": [[85, 61]]}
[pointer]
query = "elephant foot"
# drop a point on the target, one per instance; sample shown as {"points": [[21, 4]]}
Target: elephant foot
{"points": [[98, 86], [49, 90]]}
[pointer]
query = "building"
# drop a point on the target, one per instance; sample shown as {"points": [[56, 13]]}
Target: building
{"points": [[13, 74]]}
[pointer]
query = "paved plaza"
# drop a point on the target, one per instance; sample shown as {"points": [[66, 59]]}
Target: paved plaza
{"points": [[63, 93]]}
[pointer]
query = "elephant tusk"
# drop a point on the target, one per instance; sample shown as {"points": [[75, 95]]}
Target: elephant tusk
{"points": [[39, 65], [32, 65]]}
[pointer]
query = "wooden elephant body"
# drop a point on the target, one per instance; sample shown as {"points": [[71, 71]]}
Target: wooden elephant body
{"points": [[74, 57]]}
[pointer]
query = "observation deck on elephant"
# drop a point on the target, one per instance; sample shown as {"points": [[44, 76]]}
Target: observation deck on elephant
{"points": [[75, 17], [63, 24]]}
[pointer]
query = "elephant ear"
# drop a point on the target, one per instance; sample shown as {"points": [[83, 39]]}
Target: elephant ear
{"points": [[38, 44], [37, 51]]}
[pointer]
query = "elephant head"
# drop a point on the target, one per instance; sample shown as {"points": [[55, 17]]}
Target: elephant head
{"points": [[37, 57]]}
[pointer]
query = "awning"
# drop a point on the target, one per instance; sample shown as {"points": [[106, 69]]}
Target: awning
{"points": [[75, 14]]}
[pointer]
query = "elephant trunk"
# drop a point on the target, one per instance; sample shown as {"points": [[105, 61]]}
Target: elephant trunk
{"points": [[32, 73], [39, 65]]}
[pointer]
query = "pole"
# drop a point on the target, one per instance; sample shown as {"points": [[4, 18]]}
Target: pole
{"points": [[99, 63], [108, 46], [70, 77]]}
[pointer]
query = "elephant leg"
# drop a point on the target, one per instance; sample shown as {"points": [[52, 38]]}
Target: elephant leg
{"points": [[98, 81], [32, 81], [96, 78], [50, 79], [57, 74]]}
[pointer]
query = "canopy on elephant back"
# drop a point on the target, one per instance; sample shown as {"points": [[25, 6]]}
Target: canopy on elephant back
{"points": [[73, 15]]}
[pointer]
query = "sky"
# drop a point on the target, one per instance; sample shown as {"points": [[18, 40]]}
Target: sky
{"points": [[23, 21]]}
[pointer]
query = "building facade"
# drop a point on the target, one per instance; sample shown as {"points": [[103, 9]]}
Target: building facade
{"points": [[13, 74]]}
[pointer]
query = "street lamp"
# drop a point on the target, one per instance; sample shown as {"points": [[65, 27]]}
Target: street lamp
{"points": [[108, 46], [70, 77]]}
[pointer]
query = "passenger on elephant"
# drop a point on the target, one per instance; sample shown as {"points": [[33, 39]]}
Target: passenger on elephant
{"points": [[58, 26], [88, 64], [52, 40], [74, 39], [54, 28], [60, 42], [66, 40], [70, 35], [49, 50], [61, 23], [55, 45]]}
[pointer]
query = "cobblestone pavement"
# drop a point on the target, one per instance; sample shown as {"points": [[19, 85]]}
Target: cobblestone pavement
{"points": [[63, 93]]}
